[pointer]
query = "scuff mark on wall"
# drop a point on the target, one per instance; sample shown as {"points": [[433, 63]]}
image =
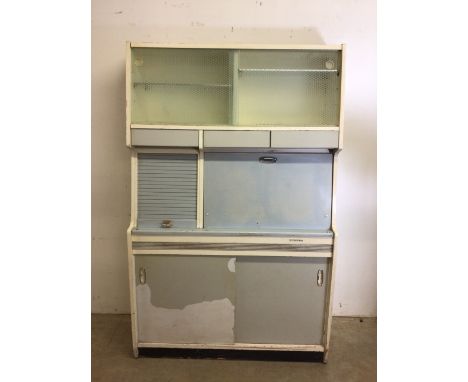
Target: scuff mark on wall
{"points": [[204, 322]]}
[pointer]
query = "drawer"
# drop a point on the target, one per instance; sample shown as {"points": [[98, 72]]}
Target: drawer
{"points": [[321, 139], [236, 139], [168, 138]]}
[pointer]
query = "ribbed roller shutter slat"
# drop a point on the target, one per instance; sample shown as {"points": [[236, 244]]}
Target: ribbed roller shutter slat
{"points": [[167, 190]]}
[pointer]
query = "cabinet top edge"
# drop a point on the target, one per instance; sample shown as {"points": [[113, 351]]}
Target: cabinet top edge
{"points": [[133, 44]]}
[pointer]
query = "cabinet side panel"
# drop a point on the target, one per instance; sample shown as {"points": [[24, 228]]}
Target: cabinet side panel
{"points": [[128, 93]]}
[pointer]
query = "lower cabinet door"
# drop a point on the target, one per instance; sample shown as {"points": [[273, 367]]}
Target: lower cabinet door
{"points": [[226, 300], [185, 299], [280, 300]]}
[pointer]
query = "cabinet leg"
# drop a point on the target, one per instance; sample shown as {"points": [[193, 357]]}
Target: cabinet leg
{"points": [[325, 356]]}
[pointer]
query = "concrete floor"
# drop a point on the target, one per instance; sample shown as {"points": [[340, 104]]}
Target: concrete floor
{"points": [[352, 358]]}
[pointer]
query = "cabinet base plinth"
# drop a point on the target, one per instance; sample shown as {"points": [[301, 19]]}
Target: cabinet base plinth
{"points": [[234, 353]]}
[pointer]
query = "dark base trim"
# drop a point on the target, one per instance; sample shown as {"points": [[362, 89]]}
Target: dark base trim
{"points": [[255, 355]]}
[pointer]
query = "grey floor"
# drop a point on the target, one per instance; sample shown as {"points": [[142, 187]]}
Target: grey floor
{"points": [[352, 358]]}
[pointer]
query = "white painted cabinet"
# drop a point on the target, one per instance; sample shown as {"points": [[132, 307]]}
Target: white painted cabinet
{"points": [[231, 243]]}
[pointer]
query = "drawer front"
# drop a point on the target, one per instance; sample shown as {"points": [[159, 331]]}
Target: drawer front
{"points": [[236, 139], [167, 138], [321, 139]]}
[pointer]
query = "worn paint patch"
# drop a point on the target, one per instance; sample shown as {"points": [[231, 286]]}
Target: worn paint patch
{"points": [[204, 322], [232, 265]]}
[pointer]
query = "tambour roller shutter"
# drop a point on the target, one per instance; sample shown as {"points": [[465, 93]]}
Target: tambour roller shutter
{"points": [[167, 190]]}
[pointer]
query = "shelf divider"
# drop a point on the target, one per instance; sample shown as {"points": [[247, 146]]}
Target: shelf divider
{"points": [[234, 68]]}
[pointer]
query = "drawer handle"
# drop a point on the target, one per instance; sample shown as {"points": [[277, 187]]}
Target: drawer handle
{"points": [[268, 159], [142, 275], [320, 278]]}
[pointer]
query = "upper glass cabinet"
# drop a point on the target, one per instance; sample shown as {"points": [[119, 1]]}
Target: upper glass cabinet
{"points": [[180, 86], [235, 87], [284, 88]]}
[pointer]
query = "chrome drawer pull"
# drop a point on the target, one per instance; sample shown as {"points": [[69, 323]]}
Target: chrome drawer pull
{"points": [[268, 159]]}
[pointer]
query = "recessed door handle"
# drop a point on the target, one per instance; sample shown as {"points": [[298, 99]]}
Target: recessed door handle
{"points": [[142, 275], [320, 277]]}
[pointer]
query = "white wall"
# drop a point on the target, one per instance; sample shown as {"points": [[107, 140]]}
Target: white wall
{"points": [[295, 21]]}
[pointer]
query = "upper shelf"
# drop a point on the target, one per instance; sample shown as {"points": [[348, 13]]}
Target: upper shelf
{"points": [[288, 70], [148, 85]]}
